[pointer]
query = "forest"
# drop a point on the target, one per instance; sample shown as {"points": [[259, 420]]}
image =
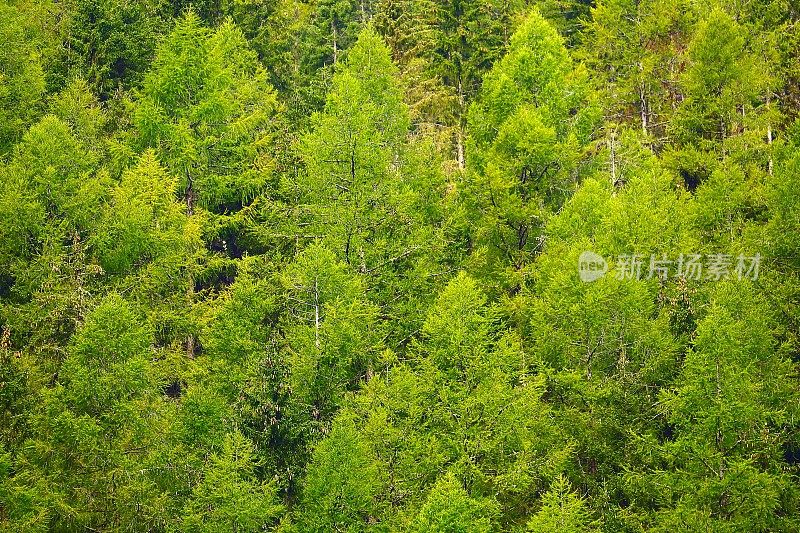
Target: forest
{"points": [[426, 266]]}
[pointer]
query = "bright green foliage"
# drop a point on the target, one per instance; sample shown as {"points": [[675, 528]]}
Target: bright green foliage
{"points": [[449, 508], [527, 133], [145, 240], [22, 79], [143, 222], [732, 399], [106, 363], [635, 48], [352, 154], [456, 331], [205, 421], [330, 330], [342, 483], [228, 498], [52, 191], [83, 440], [78, 107], [359, 302], [562, 511], [205, 106], [782, 229], [444, 49], [722, 84], [372, 194], [478, 415], [239, 331], [59, 169]]}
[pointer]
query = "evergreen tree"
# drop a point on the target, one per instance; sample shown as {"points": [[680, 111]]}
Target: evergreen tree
{"points": [[562, 511], [229, 498], [206, 106], [342, 483], [528, 132], [22, 78], [353, 153], [359, 301], [449, 508]]}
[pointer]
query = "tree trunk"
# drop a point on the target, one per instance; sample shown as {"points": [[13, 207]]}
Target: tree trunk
{"points": [[316, 314], [460, 132], [769, 137], [335, 47]]}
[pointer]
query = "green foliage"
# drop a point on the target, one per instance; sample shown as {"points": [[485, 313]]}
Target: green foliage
{"points": [[527, 133], [22, 78], [635, 48], [449, 508], [228, 498], [205, 107], [732, 399], [59, 168], [354, 302], [111, 43], [353, 150], [83, 444], [342, 483], [723, 82], [106, 363], [143, 221], [562, 511], [330, 330]]}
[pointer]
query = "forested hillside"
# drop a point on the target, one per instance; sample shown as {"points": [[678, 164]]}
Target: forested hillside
{"points": [[400, 266]]}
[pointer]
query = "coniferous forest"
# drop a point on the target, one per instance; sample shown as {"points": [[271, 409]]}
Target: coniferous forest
{"points": [[400, 266]]}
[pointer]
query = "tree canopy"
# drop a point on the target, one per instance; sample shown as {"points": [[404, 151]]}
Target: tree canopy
{"points": [[399, 265]]}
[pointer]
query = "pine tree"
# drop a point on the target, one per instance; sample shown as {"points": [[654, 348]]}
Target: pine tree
{"points": [[83, 442], [449, 508], [528, 132], [562, 511], [330, 331], [22, 77], [229, 498], [143, 221], [109, 43], [342, 483], [353, 153], [731, 407], [206, 107]]}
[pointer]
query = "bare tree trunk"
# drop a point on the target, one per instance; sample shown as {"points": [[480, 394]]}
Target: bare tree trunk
{"points": [[460, 148], [643, 101], [613, 159], [190, 199], [335, 47], [316, 314], [644, 112], [460, 132], [769, 136]]}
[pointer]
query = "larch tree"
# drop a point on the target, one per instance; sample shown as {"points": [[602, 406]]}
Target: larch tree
{"points": [[528, 132]]}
